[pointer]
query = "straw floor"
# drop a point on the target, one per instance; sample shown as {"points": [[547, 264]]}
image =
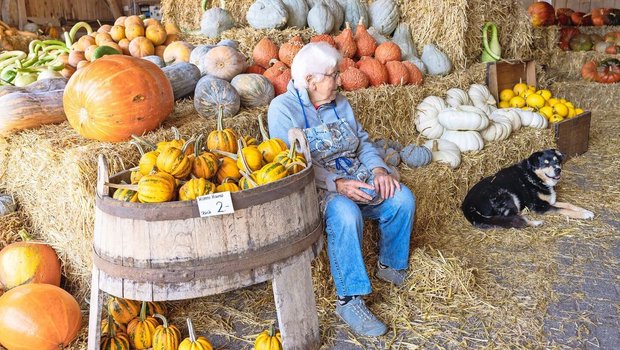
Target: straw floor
{"points": [[455, 26]]}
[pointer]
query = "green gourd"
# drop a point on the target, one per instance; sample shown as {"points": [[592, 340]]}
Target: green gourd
{"points": [[104, 51]]}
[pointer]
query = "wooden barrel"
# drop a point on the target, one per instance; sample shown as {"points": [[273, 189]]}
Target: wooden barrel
{"points": [[166, 251]]}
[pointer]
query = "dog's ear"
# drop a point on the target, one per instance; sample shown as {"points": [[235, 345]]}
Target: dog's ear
{"points": [[534, 160], [560, 155]]}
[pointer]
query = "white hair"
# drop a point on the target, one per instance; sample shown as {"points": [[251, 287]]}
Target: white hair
{"points": [[313, 59]]}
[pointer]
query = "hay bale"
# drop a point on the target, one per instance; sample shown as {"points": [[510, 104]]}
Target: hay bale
{"points": [[10, 225], [589, 95], [187, 13], [566, 65]]}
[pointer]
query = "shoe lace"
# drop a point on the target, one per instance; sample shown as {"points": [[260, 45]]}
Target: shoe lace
{"points": [[362, 311]]}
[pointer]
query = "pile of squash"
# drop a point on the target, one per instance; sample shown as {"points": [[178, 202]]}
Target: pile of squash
{"points": [[465, 120], [542, 101], [35, 313], [131, 36], [543, 14], [132, 324], [364, 61], [571, 39], [226, 162]]}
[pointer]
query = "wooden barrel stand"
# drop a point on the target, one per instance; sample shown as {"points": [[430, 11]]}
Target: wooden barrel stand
{"points": [[166, 251]]}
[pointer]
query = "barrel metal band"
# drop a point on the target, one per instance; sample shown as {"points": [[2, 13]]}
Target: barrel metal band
{"points": [[213, 267], [182, 210]]}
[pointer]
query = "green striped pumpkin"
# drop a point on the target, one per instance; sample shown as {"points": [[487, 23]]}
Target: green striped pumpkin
{"points": [[113, 338], [195, 188], [126, 195], [156, 188], [123, 310], [254, 89], [244, 184], [205, 165], [270, 173]]}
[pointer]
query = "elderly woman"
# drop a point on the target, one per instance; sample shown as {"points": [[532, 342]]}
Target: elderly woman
{"points": [[354, 183]]}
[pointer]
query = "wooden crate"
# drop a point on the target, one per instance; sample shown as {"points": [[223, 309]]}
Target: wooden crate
{"points": [[571, 135]]}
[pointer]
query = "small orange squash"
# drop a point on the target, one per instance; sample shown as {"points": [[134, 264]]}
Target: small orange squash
{"points": [[156, 34], [113, 338], [166, 337], [346, 43], [270, 173], [205, 165], [354, 79], [366, 44], [195, 188], [193, 342], [397, 73], [293, 161], [264, 51], [249, 157], [175, 162], [108, 325], [376, 72], [141, 330], [177, 51], [222, 139], [141, 47], [156, 188], [228, 168], [270, 147], [289, 49], [123, 310], [388, 51], [133, 31], [117, 33], [415, 75], [345, 63], [227, 185], [268, 340], [324, 38]]}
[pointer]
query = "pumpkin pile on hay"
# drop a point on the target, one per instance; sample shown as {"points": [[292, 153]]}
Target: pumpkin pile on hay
{"points": [[454, 26]]}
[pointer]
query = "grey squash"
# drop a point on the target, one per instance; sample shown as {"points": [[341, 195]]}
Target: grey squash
{"points": [[7, 204], [155, 59], [215, 21], [211, 94], [353, 11], [416, 156], [198, 53], [402, 38], [436, 62], [384, 15], [297, 13], [321, 19], [267, 14], [183, 77]]}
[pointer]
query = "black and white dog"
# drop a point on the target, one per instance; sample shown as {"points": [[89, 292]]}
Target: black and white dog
{"points": [[497, 201]]}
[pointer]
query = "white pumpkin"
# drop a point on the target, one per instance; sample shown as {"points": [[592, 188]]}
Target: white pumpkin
{"points": [[297, 13], [509, 113], [487, 109], [426, 117], [499, 129], [532, 119], [456, 97], [463, 118], [214, 21], [480, 95], [467, 140], [321, 19], [436, 62], [444, 151]]}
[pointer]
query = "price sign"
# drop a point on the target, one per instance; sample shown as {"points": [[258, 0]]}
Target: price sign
{"points": [[215, 204]]}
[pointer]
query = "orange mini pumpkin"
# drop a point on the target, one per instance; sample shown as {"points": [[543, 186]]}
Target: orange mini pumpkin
{"points": [[264, 51]]}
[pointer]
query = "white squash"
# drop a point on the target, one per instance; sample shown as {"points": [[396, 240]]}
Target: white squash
{"points": [[436, 62], [444, 151], [321, 19], [214, 21], [456, 97], [532, 119], [297, 13], [487, 109], [499, 129], [418, 63], [267, 14], [463, 118], [468, 140], [402, 38], [384, 15], [509, 113], [338, 13], [426, 117], [480, 95], [198, 53]]}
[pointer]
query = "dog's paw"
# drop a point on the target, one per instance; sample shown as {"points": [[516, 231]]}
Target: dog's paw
{"points": [[586, 214]]}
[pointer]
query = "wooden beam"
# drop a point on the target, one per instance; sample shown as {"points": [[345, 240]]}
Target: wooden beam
{"points": [[114, 8], [21, 11]]}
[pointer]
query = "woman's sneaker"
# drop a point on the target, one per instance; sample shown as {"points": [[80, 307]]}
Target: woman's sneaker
{"points": [[360, 319], [391, 275]]}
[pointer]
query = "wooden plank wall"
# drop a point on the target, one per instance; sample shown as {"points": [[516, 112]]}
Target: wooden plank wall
{"points": [[69, 9], [578, 5]]}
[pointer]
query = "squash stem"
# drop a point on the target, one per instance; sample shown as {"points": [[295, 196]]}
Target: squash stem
{"points": [[263, 131], [143, 311], [198, 145], [435, 146], [24, 235], [190, 330], [224, 153], [248, 177], [163, 319], [138, 146], [111, 326], [220, 116], [240, 154]]}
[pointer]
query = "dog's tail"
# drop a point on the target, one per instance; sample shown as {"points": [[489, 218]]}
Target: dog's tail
{"points": [[482, 221]]}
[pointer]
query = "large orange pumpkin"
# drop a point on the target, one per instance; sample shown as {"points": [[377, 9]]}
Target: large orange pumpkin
{"points": [[38, 316], [28, 262], [117, 96]]}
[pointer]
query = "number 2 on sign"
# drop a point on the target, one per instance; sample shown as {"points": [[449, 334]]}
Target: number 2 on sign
{"points": [[215, 204]]}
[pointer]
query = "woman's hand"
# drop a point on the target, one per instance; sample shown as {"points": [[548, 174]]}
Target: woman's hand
{"points": [[385, 184], [351, 189]]}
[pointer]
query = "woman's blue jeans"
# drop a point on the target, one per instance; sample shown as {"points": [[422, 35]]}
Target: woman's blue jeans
{"points": [[344, 224]]}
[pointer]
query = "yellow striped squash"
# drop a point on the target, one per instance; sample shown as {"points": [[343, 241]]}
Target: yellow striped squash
{"points": [[195, 188], [156, 188]]}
